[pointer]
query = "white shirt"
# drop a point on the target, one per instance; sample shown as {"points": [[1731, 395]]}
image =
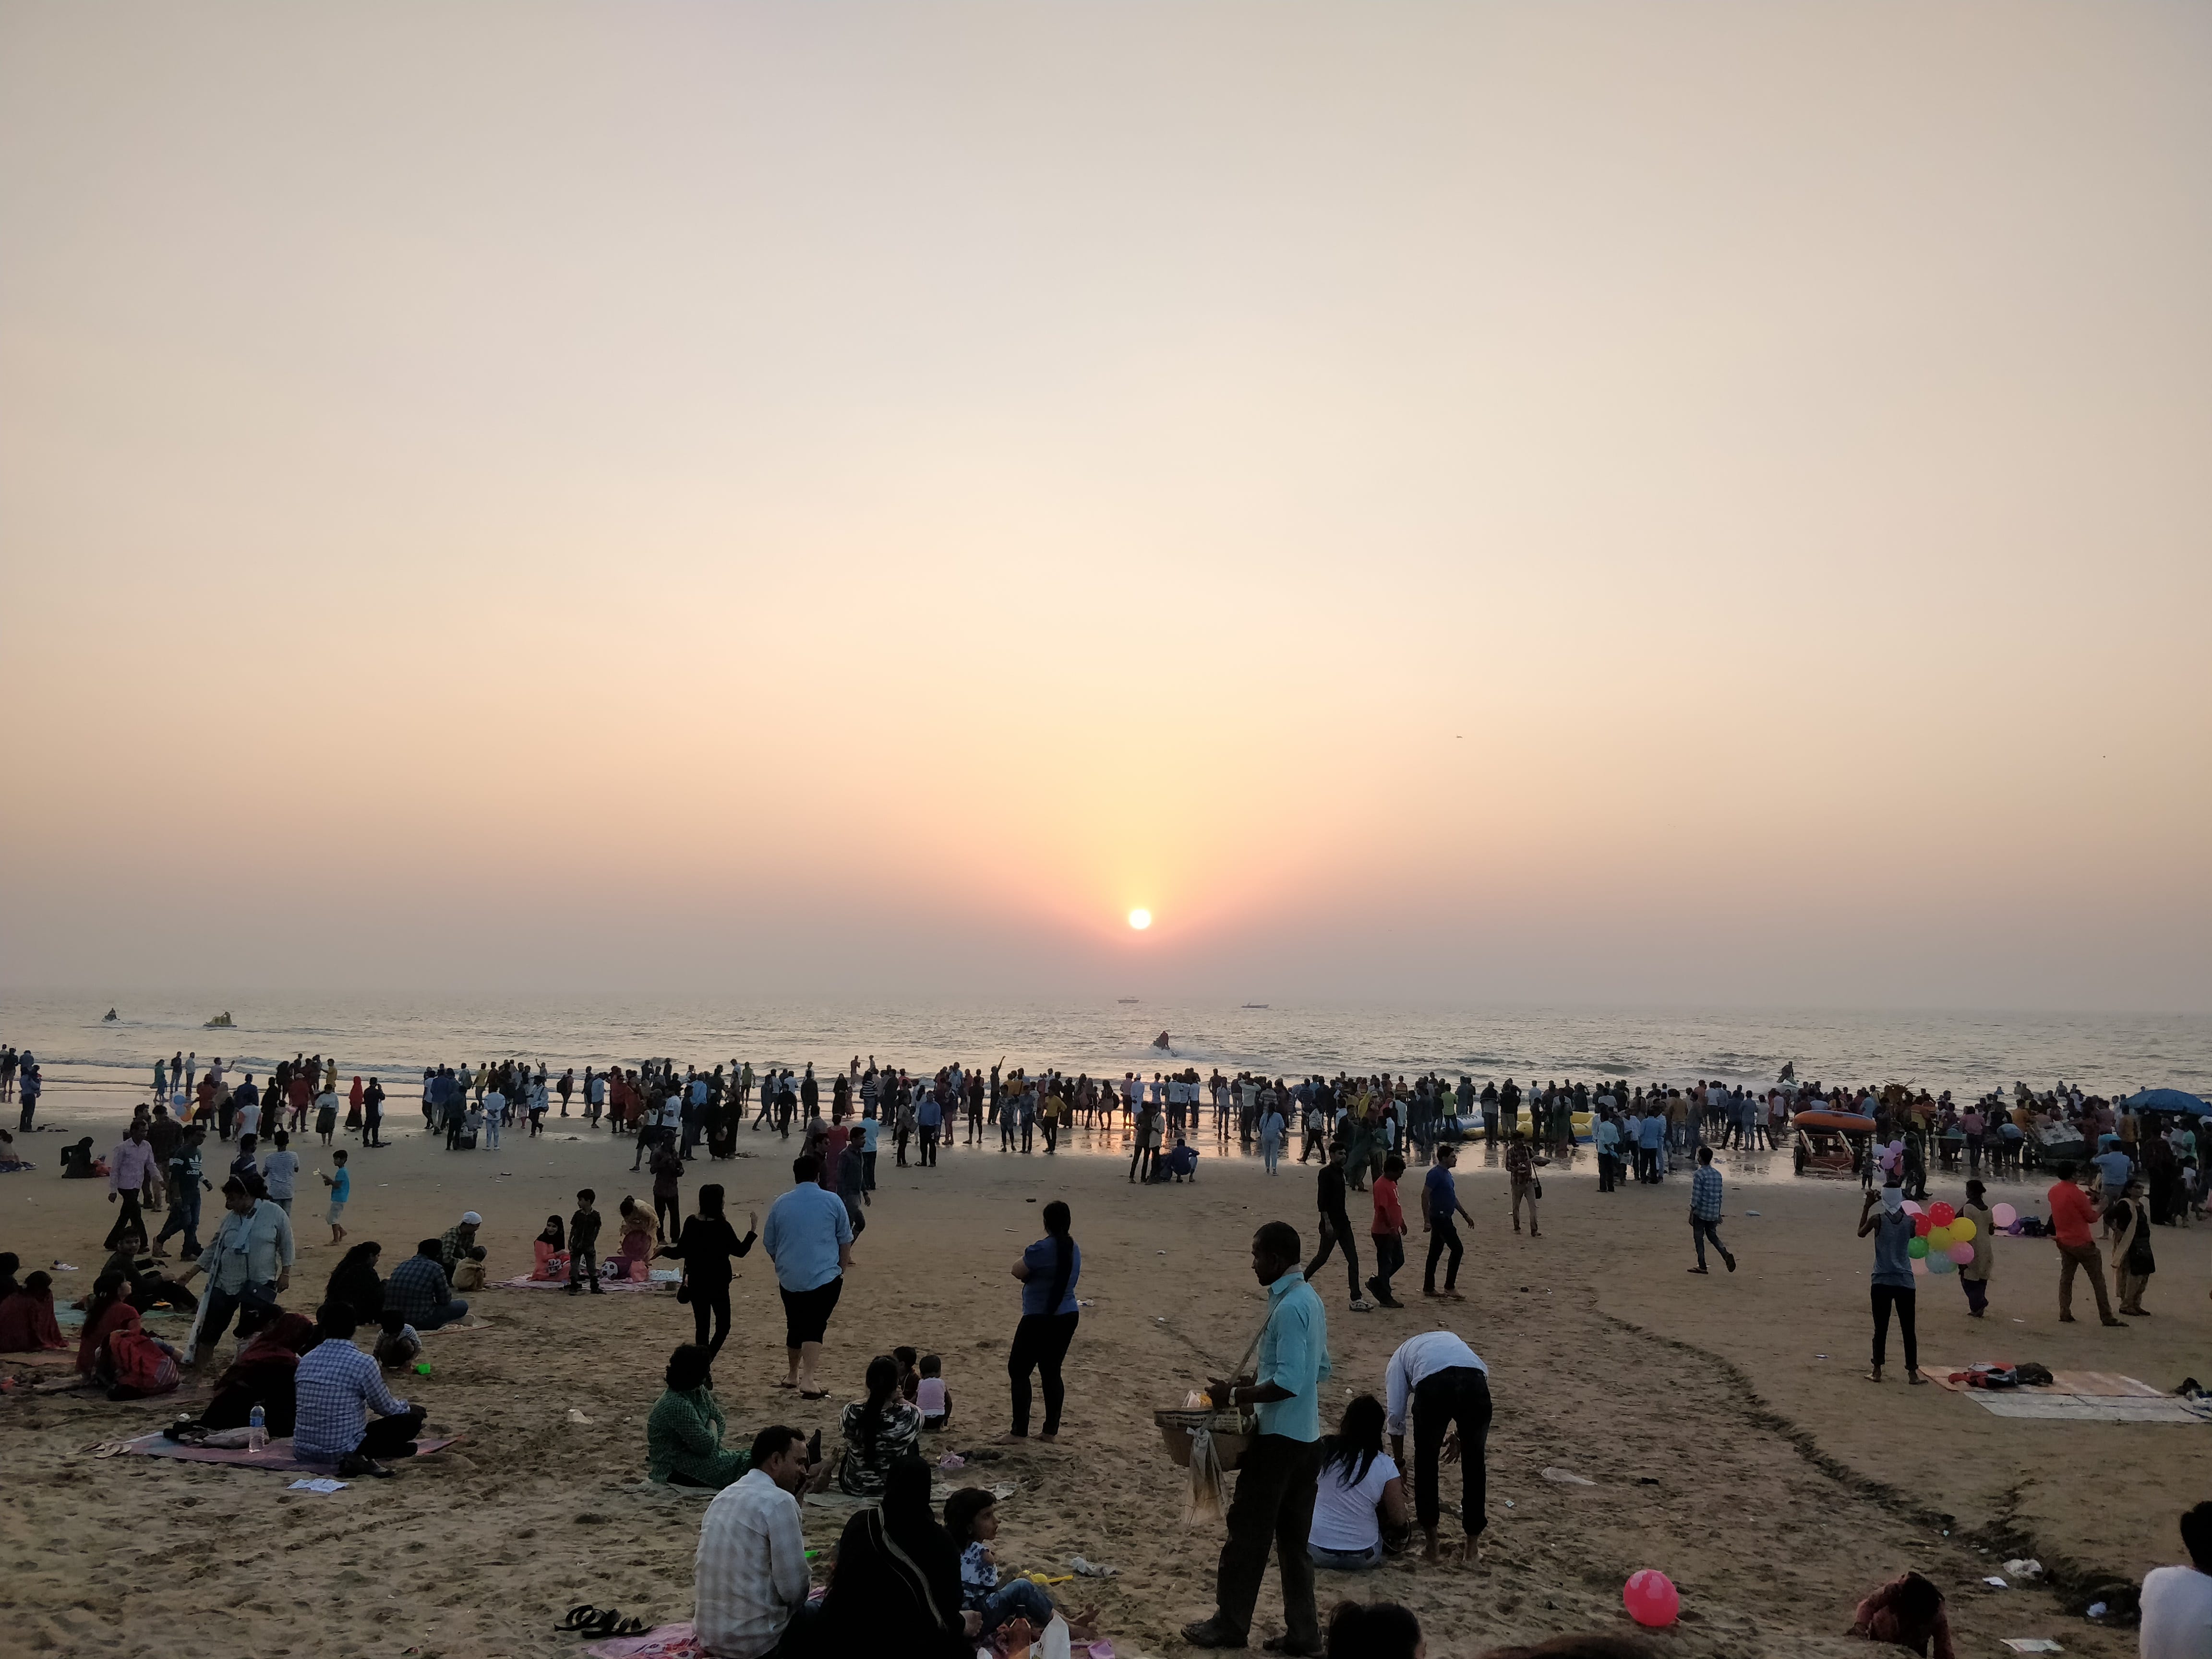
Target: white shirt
{"points": [[1417, 1358], [249, 1120], [750, 1572], [1344, 1514], [2177, 1614]]}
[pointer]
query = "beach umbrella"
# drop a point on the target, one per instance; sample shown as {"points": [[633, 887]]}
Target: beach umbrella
{"points": [[2166, 1100]]}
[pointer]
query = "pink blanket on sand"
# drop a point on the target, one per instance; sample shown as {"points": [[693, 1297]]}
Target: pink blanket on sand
{"points": [[276, 1456]]}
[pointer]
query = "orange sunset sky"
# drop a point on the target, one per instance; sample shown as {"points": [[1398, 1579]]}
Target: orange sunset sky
{"points": [[1476, 503]]}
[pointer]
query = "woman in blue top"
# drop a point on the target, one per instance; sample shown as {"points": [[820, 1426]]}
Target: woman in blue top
{"points": [[1047, 1270]]}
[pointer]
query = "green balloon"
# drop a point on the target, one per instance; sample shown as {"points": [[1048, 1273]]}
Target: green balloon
{"points": [[1917, 1249]]}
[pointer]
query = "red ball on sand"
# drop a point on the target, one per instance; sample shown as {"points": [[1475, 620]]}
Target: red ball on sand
{"points": [[1651, 1598], [1941, 1214]]}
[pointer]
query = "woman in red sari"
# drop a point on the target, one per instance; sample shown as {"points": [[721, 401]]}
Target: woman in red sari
{"points": [[26, 1319], [109, 1311]]}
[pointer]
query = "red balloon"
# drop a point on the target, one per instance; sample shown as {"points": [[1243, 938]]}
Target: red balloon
{"points": [[1921, 1225], [1942, 1214], [1651, 1598]]}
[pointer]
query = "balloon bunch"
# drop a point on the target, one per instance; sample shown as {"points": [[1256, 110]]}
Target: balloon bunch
{"points": [[1942, 1238]]}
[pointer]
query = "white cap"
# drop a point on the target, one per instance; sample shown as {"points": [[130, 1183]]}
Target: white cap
{"points": [[471, 1220]]}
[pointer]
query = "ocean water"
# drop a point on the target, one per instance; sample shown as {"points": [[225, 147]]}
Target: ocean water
{"points": [[396, 1037]]}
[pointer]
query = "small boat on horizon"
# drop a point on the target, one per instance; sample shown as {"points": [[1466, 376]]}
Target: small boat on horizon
{"points": [[221, 1022], [1256, 1005], [1125, 998]]}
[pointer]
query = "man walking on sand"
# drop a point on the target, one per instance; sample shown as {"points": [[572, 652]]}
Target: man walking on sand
{"points": [[1440, 1209], [1705, 1210], [1280, 1475], [2073, 1213]]}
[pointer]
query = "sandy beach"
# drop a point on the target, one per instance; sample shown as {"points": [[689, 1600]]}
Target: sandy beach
{"points": [[1725, 1422]]}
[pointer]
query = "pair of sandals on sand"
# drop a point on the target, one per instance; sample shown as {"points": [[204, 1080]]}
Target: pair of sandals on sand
{"points": [[586, 1620]]}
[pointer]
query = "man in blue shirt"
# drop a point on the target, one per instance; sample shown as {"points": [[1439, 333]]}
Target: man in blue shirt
{"points": [[1280, 1474], [809, 1237], [1440, 1207]]}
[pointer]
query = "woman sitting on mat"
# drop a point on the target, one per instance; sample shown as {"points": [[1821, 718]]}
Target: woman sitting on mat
{"points": [[108, 1312], [262, 1376], [356, 1283], [683, 1435], [897, 1585], [26, 1319], [878, 1431], [550, 1251]]}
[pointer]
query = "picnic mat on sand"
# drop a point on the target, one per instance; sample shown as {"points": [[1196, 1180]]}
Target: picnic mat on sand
{"points": [[525, 1282], [2078, 1397], [276, 1456]]}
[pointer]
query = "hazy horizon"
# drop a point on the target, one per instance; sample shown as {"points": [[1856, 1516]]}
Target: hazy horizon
{"points": [[1514, 506]]}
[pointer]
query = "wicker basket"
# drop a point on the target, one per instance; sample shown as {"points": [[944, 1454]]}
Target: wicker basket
{"points": [[1231, 1431]]}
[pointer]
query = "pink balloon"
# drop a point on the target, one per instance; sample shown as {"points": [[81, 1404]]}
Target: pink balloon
{"points": [[1651, 1598], [1961, 1253], [1913, 1206], [2004, 1215]]}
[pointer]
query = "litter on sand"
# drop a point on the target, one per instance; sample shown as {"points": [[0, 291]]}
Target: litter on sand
{"points": [[575, 1416], [2025, 1566], [2032, 1644], [1996, 1582], [1092, 1569], [325, 1484], [1567, 1477]]}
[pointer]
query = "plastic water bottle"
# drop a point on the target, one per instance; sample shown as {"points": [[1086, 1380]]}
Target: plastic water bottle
{"points": [[257, 1428]]}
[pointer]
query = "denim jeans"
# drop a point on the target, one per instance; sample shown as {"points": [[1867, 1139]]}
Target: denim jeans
{"points": [[183, 1215], [1348, 1560], [1019, 1600]]}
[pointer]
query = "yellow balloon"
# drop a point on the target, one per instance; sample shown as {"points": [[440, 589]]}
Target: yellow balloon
{"points": [[1939, 1238], [1962, 1232]]}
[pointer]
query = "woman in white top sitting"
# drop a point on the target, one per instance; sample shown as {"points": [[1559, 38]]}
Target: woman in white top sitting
{"points": [[1361, 1492]]}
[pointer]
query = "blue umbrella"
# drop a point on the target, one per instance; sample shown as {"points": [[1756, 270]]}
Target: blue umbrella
{"points": [[2166, 1100]]}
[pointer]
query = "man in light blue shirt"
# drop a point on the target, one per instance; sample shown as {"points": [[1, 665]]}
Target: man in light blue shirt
{"points": [[2114, 1165], [248, 1263], [1607, 1137], [1278, 1479], [809, 1237]]}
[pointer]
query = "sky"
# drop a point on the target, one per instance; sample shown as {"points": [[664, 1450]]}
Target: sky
{"points": [[1490, 504]]}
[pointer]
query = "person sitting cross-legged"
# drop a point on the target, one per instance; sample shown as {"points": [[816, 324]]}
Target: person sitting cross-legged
{"points": [[335, 1384]]}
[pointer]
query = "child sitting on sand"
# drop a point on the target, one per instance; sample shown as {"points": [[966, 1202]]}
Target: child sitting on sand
{"points": [[909, 1377], [400, 1345], [971, 1515], [931, 1397]]}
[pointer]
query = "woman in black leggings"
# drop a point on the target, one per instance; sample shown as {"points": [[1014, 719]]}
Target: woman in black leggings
{"points": [[707, 1244], [1047, 1270]]}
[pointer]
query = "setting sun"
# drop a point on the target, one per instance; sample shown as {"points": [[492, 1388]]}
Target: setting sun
{"points": [[1141, 919]]}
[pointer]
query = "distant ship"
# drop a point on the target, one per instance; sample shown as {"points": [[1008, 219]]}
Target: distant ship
{"points": [[1125, 998], [1256, 1005]]}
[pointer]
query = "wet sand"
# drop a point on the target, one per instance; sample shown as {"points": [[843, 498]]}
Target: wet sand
{"points": [[1775, 1486]]}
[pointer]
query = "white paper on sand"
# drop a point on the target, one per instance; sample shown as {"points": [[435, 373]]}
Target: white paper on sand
{"points": [[2032, 1644], [322, 1483]]}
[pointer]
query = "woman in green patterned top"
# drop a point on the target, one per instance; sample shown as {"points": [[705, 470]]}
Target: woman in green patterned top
{"points": [[683, 1435]]}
